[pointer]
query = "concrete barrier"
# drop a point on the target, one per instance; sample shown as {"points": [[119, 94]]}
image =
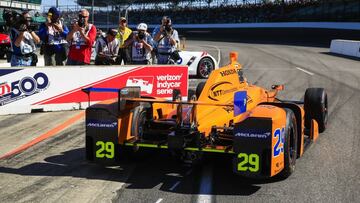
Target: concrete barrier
{"points": [[345, 47]]}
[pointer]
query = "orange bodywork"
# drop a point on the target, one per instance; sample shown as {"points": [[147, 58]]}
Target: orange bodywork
{"points": [[215, 108]]}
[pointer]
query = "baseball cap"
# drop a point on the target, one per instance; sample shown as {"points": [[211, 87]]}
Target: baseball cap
{"points": [[112, 32], [54, 11], [122, 19], [142, 26]]}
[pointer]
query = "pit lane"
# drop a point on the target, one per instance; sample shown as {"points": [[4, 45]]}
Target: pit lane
{"points": [[55, 170]]}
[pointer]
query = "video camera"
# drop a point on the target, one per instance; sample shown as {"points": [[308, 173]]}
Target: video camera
{"points": [[17, 20]]}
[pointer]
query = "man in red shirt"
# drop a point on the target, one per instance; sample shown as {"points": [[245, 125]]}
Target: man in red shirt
{"points": [[81, 37]]}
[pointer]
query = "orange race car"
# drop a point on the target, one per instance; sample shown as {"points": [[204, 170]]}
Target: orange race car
{"points": [[226, 114]]}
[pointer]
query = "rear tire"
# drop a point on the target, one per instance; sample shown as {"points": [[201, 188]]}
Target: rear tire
{"points": [[290, 144], [138, 121], [191, 94], [205, 67], [316, 107], [199, 89]]}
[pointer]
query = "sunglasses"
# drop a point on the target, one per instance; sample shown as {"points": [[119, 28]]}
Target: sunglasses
{"points": [[81, 16]]}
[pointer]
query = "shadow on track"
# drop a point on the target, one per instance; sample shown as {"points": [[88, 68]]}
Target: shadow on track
{"points": [[147, 170], [69, 163], [342, 56]]}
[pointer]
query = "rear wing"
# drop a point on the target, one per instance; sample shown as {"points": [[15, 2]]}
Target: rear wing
{"points": [[123, 93], [132, 95]]}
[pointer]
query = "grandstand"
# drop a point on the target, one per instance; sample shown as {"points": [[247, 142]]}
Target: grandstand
{"points": [[107, 12]]}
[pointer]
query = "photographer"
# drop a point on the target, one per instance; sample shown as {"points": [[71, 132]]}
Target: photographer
{"points": [[141, 45], [123, 34], [107, 48], [81, 37], [167, 41], [53, 35], [23, 40]]}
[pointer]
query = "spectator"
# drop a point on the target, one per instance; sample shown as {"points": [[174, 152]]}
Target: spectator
{"points": [[81, 38], [107, 48], [167, 40], [123, 34], [53, 35], [23, 40], [100, 33], [141, 45]]}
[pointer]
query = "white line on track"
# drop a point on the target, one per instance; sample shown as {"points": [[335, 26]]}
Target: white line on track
{"points": [[159, 200], [205, 186], [174, 186], [218, 50], [305, 71]]}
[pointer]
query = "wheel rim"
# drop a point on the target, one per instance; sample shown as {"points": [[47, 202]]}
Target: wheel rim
{"points": [[205, 67]]}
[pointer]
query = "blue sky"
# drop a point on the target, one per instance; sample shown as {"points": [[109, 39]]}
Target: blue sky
{"points": [[61, 2]]}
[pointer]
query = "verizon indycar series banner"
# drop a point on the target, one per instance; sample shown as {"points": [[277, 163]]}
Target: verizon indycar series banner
{"points": [[59, 88]]}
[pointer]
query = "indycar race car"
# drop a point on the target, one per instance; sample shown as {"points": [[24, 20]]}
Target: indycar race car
{"points": [[263, 134]]}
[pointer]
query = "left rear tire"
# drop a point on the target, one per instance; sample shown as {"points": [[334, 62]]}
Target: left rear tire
{"points": [[290, 144]]}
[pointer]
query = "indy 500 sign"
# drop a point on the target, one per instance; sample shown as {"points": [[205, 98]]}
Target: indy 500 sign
{"points": [[19, 89]]}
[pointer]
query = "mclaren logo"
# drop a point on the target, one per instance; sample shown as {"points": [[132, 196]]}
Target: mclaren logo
{"points": [[219, 89], [102, 125]]}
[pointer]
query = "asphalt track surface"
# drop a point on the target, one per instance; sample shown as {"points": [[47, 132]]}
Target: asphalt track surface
{"points": [[55, 170]]}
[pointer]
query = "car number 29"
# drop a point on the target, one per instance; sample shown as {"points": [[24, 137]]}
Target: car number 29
{"points": [[248, 162], [106, 150]]}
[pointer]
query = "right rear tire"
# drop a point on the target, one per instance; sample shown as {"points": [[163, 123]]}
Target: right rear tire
{"points": [[316, 107]]}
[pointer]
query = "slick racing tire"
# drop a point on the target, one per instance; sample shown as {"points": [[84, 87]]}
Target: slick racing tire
{"points": [[138, 121], [205, 67], [199, 89], [191, 95], [290, 144], [316, 107]]}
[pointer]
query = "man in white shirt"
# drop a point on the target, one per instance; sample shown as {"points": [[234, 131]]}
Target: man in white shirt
{"points": [[107, 48], [141, 45]]}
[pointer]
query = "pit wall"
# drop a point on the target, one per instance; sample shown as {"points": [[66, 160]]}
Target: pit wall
{"points": [[26, 90]]}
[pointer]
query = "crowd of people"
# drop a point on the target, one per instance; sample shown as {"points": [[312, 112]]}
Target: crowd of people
{"points": [[264, 11], [63, 46]]}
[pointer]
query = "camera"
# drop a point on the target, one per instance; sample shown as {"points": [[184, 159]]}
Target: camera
{"points": [[13, 19], [141, 35], [56, 20], [18, 21], [167, 27], [81, 21]]}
